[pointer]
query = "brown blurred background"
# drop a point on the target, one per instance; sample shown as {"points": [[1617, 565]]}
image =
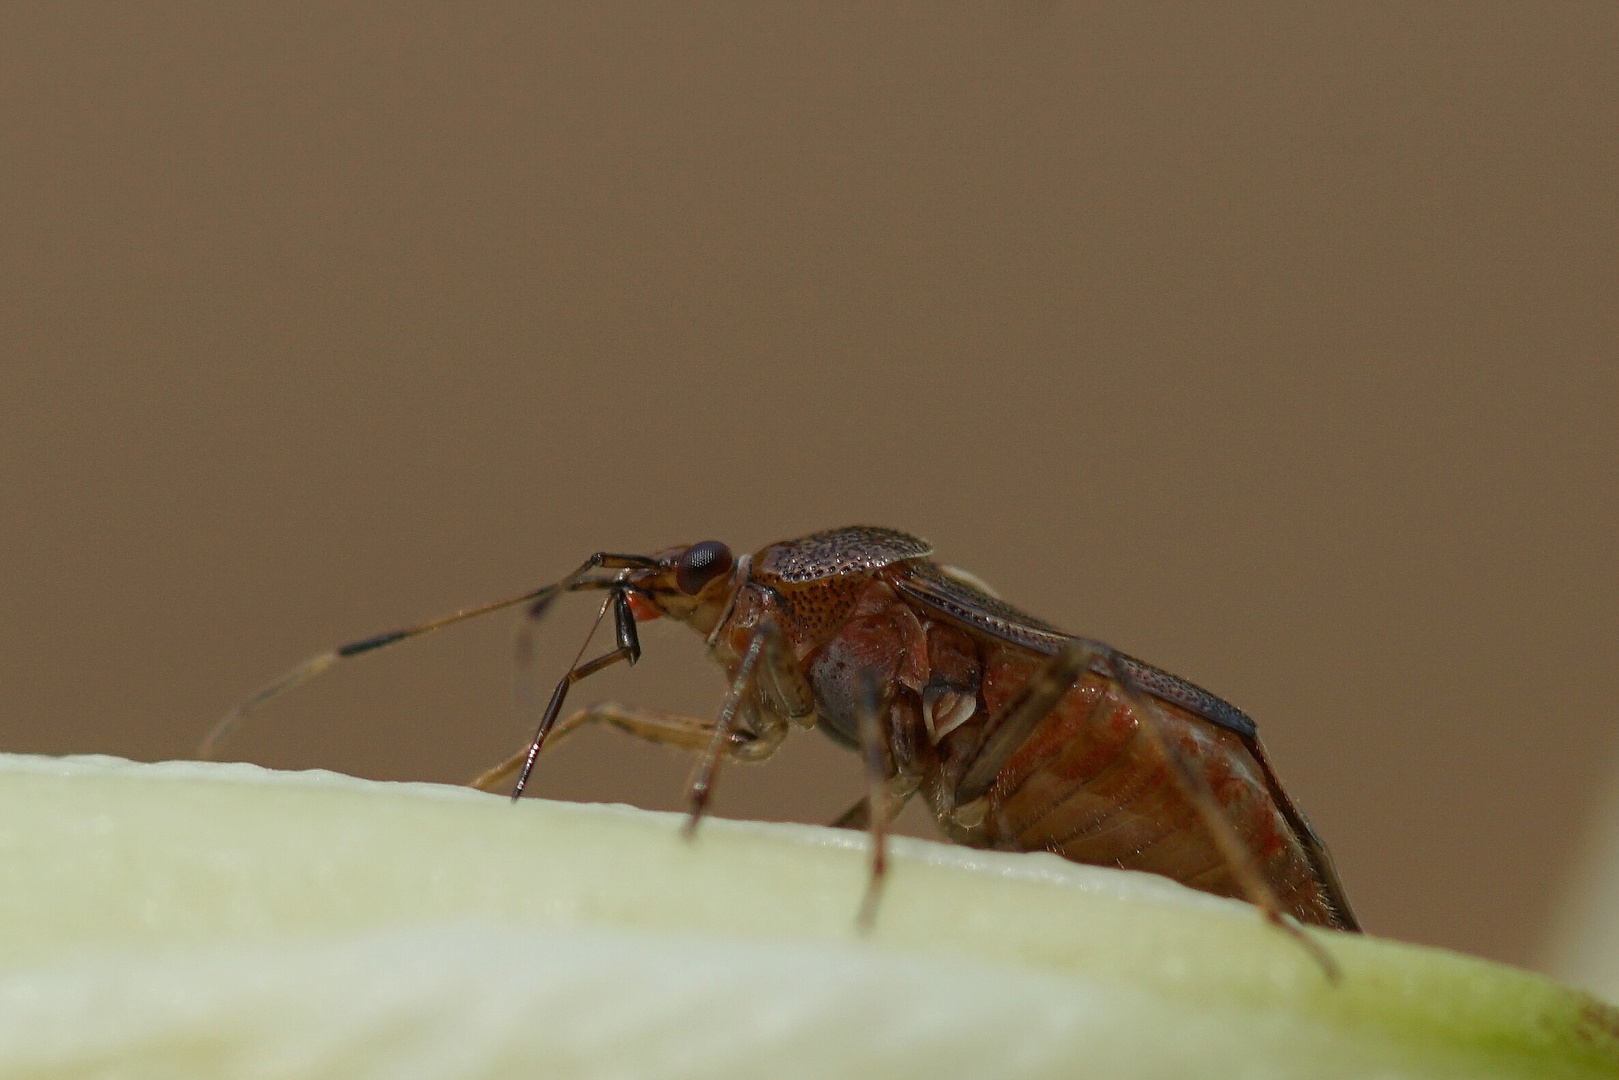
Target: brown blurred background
{"points": [[1276, 347]]}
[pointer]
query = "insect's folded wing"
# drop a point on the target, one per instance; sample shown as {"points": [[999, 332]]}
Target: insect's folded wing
{"points": [[975, 609]]}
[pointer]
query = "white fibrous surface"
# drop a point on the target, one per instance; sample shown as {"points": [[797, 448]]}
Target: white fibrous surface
{"points": [[183, 919]]}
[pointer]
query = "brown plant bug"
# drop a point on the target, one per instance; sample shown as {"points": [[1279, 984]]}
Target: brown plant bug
{"points": [[1020, 736]]}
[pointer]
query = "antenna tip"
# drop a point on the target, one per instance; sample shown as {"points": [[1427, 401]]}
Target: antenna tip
{"points": [[210, 742]]}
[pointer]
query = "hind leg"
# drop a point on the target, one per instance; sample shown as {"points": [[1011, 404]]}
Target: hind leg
{"points": [[1239, 857]]}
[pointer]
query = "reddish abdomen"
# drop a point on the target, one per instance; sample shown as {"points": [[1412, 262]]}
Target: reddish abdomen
{"points": [[1090, 785]]}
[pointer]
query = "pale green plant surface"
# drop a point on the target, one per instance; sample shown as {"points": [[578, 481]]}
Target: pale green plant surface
{"points": [[222, 920]]}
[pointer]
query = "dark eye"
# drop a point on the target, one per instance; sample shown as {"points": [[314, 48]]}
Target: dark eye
{"points": [[701, 564]]}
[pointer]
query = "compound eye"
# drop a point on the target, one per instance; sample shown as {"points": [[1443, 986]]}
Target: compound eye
{"points": [[701, 564]]}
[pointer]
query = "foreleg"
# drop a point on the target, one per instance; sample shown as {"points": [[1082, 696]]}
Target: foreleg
{"points": [[654, 725]]}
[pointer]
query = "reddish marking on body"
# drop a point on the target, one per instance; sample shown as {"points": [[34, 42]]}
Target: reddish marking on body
{"points": [[952, 656], [642, 607], [881, 637], [884, 631], [1071, 743], [1239, 787], [813, 613], [1005, 672], [1074, 743], [1086, 784]]}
